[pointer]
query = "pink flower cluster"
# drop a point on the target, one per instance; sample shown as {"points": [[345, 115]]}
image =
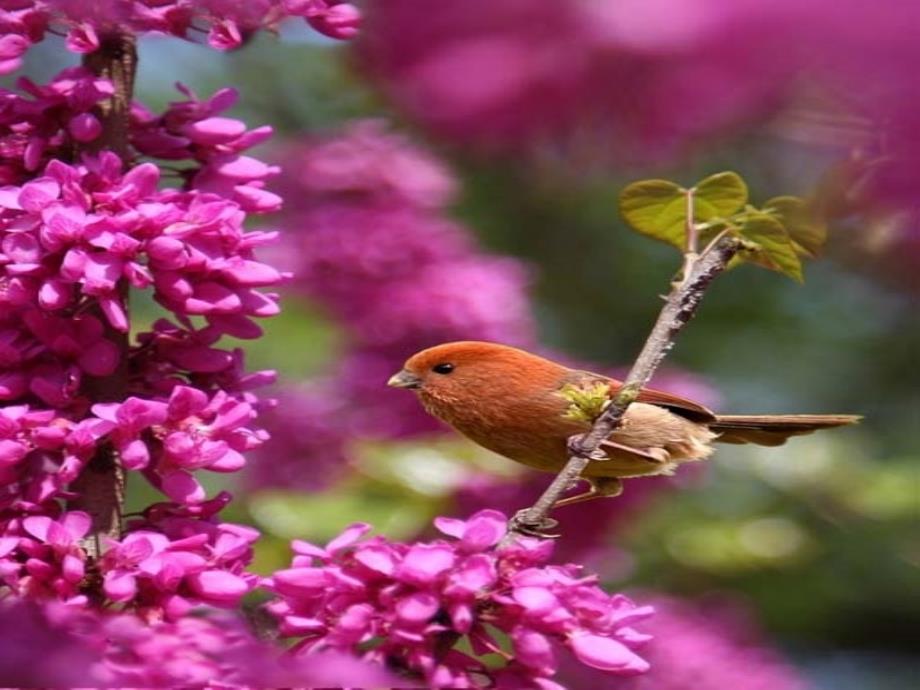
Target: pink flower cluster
{"points": [[193, 130], [41, 452], [77, 233], [170, 439], [175, 558], [57, 645], [230, 24], [699, 645], [371, 163], [170, 561], [376, 248], [610, 74], [410, 606], [549, 71], [311, 427], [46, 560], [49, 121]]}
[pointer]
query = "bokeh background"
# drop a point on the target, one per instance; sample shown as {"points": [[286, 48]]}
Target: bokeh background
{"points": [[418, 212]]}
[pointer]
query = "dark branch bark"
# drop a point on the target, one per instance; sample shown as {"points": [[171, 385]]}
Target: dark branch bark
{"points": [[680, 307], [116, 60], [100, 487]]}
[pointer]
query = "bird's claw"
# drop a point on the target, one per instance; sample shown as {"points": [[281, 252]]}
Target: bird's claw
{"points": [[575, 446], [521, 524]]}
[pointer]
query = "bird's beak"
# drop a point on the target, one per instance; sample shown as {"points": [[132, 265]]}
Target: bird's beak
{"points": [[404, 379]]}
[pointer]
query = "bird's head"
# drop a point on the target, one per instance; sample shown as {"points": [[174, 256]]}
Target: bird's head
{"points": [[460, 371]]}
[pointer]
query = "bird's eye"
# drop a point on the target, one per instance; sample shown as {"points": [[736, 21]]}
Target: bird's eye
{"points": [[444, 368]]}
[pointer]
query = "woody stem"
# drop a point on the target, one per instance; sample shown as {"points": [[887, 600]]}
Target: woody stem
{"points": [[100, 487], [681, 305]]}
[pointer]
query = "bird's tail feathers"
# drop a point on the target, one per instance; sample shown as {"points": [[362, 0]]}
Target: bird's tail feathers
{"points": [[773, 430]]}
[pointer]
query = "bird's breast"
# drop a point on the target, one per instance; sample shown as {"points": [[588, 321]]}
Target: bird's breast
{"points": [[532, 431]]}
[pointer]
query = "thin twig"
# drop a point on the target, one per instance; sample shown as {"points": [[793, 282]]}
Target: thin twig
{"points": [[680, 307]]}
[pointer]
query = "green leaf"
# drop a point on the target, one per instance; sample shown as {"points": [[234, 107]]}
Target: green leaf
{"points": [[775, 248], [719, 196], [808, 232], [658, 208]]}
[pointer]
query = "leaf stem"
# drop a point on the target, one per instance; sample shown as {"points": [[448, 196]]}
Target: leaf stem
{"points": [[680, 306], [691, 248], [715, 240]]}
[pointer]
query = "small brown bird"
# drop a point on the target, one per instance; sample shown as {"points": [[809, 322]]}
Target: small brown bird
{"points": [[513, 403]]}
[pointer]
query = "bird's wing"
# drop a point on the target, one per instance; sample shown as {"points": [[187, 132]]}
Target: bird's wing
{"points": [[675, 403]]}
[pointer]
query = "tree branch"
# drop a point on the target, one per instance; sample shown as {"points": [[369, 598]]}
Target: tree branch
{"points": [[680, 307], [115, 60], [100, 487]]}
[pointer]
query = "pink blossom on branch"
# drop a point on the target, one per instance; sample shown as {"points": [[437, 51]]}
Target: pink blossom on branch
{"points": [[171, 439], [47, 122], [56, 645], [74, 233], [41, 451], [699, 645], [175, 558], [408, 605], [194, 130], [229, 23]]}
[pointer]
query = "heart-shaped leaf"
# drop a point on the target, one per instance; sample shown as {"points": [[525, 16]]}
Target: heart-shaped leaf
{"points": [[808, 232], [719, 196], [776, 249], [658, 208]]}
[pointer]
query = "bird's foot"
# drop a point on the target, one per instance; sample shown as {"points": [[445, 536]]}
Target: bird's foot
{"points": [[522, 524], [575, 446]]}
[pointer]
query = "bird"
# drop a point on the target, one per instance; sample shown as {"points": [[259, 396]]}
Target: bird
{"points": [[519, 405]]}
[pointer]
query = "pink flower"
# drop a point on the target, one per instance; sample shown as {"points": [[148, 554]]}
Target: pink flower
{"points": [[40, 453], [47, 121], [369, 162], [68, 646], [193, 129], [35, 651], [417, 601], [47, 560], [230, 23], [309, 430], [700, 646], [375, 249], [12, 47], [189, 431], [165, 567], [79, 231], [333, 18]]}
